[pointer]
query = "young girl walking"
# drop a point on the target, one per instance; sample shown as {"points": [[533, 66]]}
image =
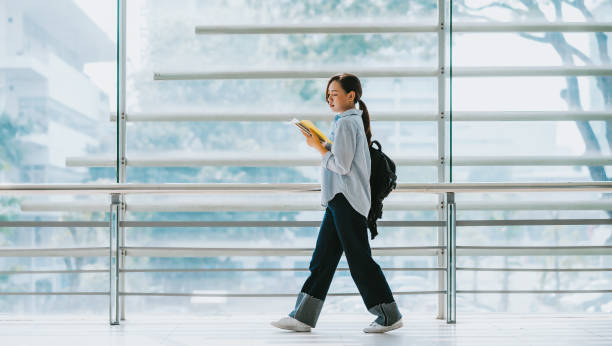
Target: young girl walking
{"points": [[345, 192]]}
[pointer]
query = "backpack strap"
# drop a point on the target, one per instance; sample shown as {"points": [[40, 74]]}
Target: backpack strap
{"points": [[377, 143]]}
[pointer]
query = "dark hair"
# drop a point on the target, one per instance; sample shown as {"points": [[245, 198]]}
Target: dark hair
{"points": [[350, 82]]}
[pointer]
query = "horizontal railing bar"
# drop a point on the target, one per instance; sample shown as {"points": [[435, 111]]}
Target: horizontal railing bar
{"points": [[535, 269], [3, 293], [322, 115], [257, 223], [385, 72], [532, 291], [530, 115], [378, 251], [199, 188], [258, 295], [211, 205], [375, 116], [56, 252], [533, 250], [531, 71], [534, 222], [213, 252], [78, 271], [532, 27], [379, 27], [239, 159], [316, 28], [268, 223], [289, 160], [380, 223], [603, 204], [297, 73], [54, 223], [158, 270]]}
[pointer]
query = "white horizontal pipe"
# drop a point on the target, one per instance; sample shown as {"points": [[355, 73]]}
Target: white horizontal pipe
{"points": [[532, 27], [281, 73], [374, 116], [551, 160], [256, 295], [535, 269], [574, 204], [531, 71], [259, 223], [90, 161], [531, 116], [213, 252], [293, 160], [380, 251], [56, 252], [55, 223], [84, 271], [530, 291], [267, 116], [4, 293], [180, 205], [534, 250], [316, 28], [298, 73], [362, 28], [203, 188], [229, 159], [535, 222], [196, 270]]}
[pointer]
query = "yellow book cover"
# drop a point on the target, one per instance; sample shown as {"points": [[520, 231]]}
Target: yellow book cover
{"points": [[309, 127]]}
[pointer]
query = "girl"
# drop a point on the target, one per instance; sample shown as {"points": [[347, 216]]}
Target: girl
{"points": [[345, 192]]}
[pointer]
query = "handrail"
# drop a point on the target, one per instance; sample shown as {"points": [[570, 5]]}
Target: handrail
{"points": [[323, 115], [241, 159], [397, 27], [200, 188]]}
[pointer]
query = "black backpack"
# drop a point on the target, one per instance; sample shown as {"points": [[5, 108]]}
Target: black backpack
{"points": [[382, 182]]}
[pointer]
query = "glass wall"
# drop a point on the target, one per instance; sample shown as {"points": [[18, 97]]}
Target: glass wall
{"points": [[57, 88], [208, 107], [531, 105]]}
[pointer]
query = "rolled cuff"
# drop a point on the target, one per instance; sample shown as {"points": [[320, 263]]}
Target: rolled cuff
{"points": [[307, 309], [387, 313]]}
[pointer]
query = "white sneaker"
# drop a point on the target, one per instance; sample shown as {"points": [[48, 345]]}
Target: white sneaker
{"points": [[290, 323], [377, 328]]}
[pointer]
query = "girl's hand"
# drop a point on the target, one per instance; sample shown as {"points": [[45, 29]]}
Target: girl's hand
{"points": [[311, 140]]}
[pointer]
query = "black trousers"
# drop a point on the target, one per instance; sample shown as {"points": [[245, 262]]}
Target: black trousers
{"points": [[345, 230]]}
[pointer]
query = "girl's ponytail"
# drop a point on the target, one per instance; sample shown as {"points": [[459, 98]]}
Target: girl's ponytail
{"points": [[365, 116]]}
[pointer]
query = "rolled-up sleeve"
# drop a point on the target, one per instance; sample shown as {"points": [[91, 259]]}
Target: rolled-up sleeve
{"points": [[340, 157]]}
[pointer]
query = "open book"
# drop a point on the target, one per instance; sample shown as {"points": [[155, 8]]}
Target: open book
{"points": [[310, 128]]}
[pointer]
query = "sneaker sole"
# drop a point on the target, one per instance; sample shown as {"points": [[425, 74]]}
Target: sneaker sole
{"points": [[295, 329], [388, 329]]}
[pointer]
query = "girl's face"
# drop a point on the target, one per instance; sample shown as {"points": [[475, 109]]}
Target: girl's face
{"points": [[338, 100]]}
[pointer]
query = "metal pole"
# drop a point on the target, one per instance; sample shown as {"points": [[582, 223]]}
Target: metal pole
{"points": [[441, 148], [122, 162], [113, 265], [451, 257]]}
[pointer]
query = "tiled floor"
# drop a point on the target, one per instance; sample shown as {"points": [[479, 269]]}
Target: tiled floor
{"points": [[336, 330]]}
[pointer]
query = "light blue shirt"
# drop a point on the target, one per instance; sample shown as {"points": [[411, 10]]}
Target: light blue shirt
{"points": [[346, 167]]}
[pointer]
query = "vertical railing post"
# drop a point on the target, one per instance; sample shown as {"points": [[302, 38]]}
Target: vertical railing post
{"points": [[114, 253], [121, 129], [451, 258], [441, 133]]}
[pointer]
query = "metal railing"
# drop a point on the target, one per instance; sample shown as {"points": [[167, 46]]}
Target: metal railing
{"points": [[118, 250]]}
